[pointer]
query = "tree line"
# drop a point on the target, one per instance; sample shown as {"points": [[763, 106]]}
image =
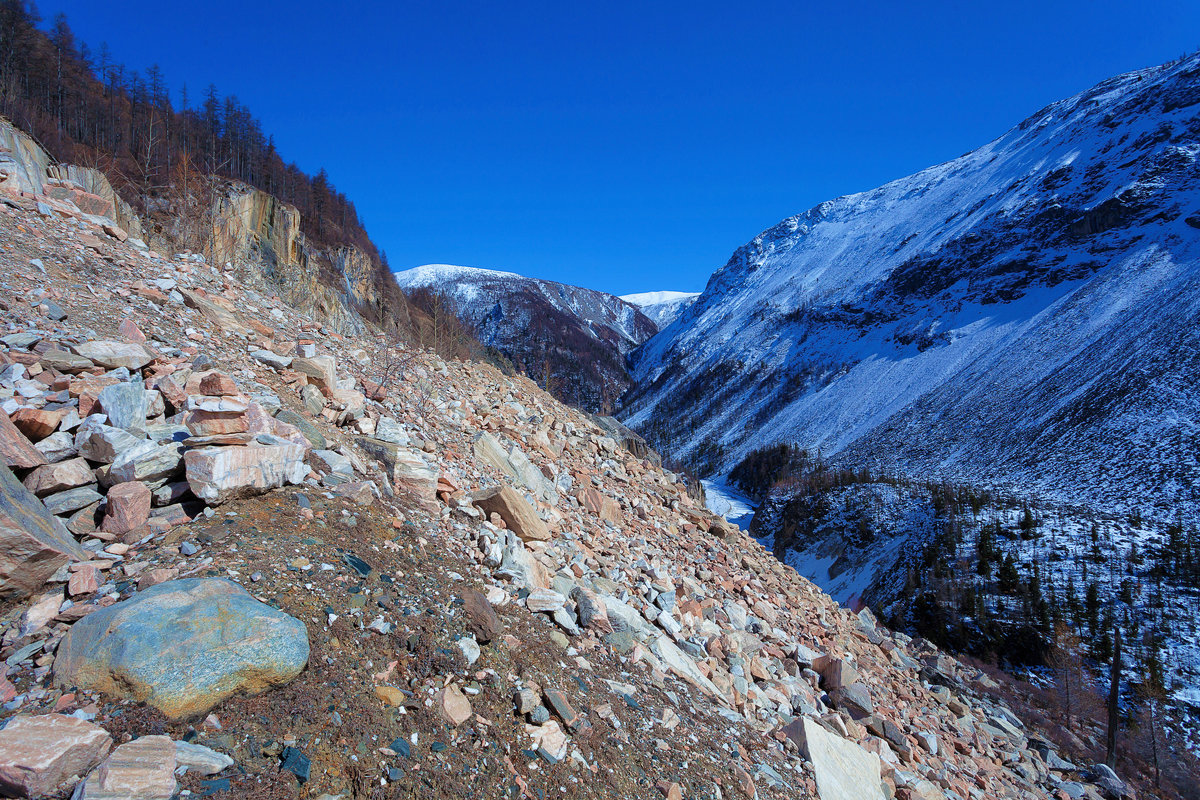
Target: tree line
{"points": [[85, 108]]}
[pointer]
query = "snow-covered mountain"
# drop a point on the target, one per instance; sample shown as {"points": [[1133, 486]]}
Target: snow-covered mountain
{"points": [[572, 339], [1026, 315], [662, 307]]}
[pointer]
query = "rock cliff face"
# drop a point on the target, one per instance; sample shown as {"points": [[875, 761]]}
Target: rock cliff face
{"points": [[261, 237], [229, 223], [29, 170]]}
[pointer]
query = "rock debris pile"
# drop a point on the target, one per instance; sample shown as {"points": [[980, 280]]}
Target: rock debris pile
{"points": [[244, 556]]}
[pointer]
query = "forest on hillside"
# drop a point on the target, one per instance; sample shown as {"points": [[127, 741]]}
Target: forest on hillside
{"points": [[85, 108]]}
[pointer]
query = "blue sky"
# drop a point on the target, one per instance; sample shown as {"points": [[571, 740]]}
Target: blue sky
{"points": [[625, 146]]}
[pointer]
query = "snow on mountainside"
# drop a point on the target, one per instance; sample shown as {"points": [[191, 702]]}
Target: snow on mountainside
{"points": [[662, 307], [1024, 315], [575, 339]]}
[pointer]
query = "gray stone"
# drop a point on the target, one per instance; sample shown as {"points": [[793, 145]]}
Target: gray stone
{"points": [[183, 646], [332, 461], [200, 759], [408, 471], [58, 446], [312, 399], [112, 355], [515, 464], [72, 500], [388, 430], [305, 427], [273, 360], [63, 361], [103, 443], [147, 462], [125, 405]]}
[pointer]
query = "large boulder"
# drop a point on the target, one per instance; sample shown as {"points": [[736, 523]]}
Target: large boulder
{"points": [[217, 474], [183, 646], [844, 770], [513, 462], [321, 370], [34, 543], [38, 754]]}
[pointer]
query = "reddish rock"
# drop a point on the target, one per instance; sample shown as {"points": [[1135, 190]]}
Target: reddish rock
{"points": [[482, 619], [37, 423], [15, 449], [50, 478], [143, 769], [214, 384], [128, 507], [216, 423], [130, 331], [517, 514], [84, 581], [453, 705]]}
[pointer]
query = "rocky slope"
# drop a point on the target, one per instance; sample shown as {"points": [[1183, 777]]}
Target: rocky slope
{"points": [[1021, 316], [572, 340], [238, 560], [662, 308]]}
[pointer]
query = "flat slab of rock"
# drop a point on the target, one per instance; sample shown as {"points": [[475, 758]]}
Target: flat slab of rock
{"points": [[844, 771], [112, 355], [183, 646], [515, 464], [517, 514], [217, 474], [34, 544], [38, 754], [143, 769]]}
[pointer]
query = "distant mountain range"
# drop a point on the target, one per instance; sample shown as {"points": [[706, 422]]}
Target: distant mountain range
{"points": [[662, 307], [571, 340]]}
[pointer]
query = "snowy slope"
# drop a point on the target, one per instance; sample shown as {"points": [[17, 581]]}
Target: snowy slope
{"points": [[578, 337], [1024, 315], [662, 307]]}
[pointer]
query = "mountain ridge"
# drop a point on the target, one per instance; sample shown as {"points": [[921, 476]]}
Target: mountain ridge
{"points": [[836, 328]]}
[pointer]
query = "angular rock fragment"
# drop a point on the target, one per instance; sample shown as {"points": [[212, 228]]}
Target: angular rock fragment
{"points": [[408, 471], [112, 355], [128, 508], [517, 514], [844, 771], [143, 769], [33, 543], [39, 753], [217, 474], [15, 449]]}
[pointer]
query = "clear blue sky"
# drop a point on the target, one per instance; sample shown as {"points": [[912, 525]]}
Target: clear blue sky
{"points": [[625, 146]]}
